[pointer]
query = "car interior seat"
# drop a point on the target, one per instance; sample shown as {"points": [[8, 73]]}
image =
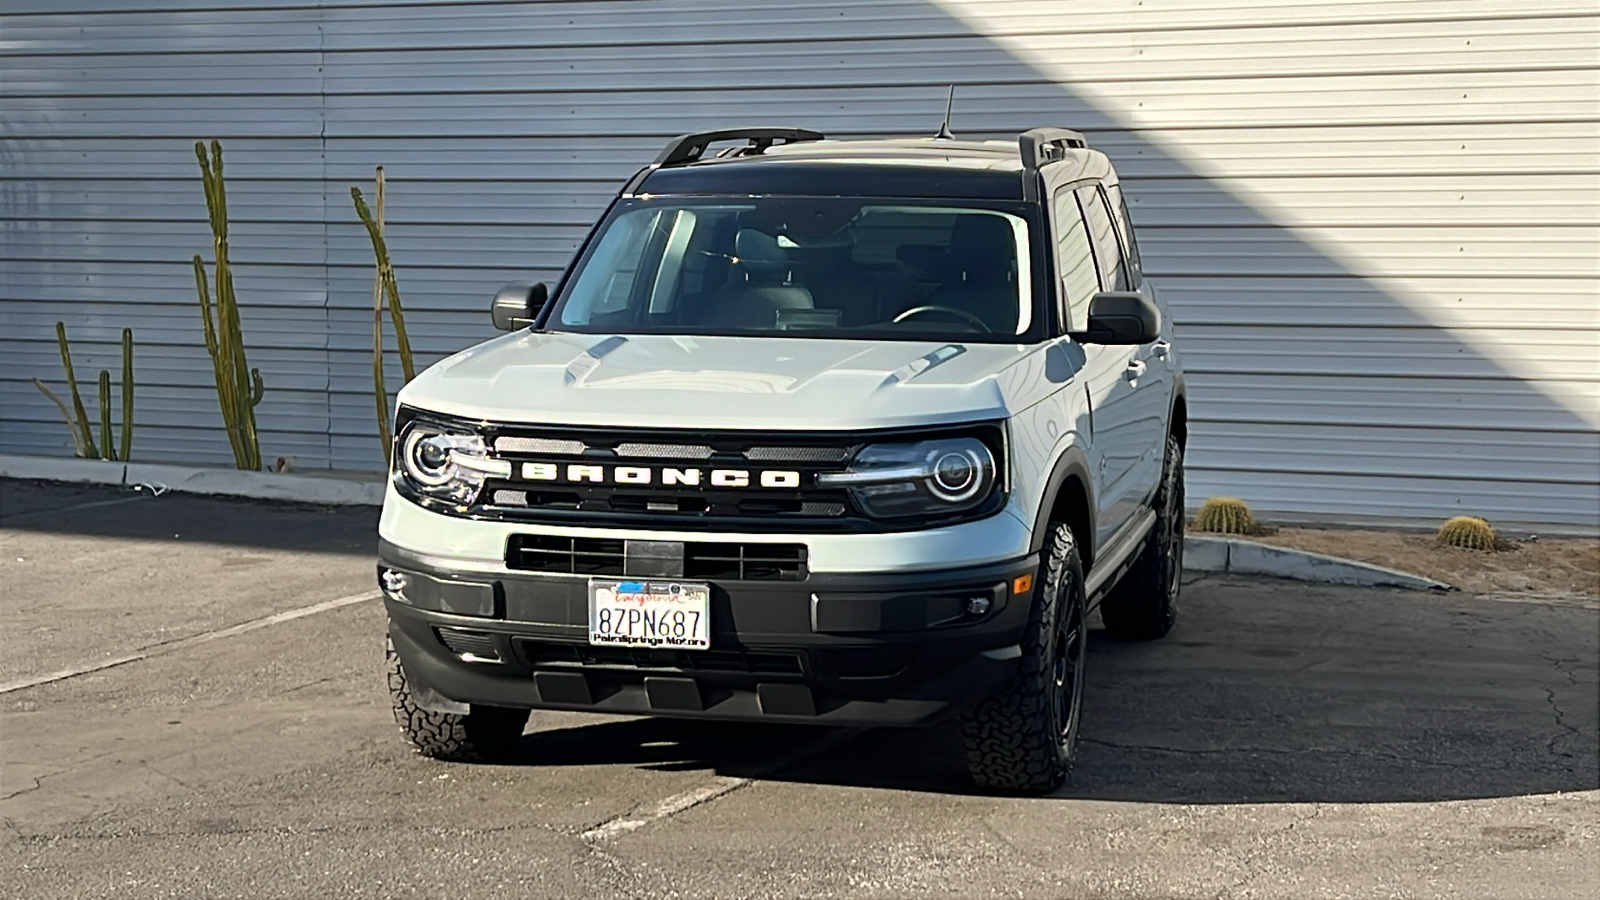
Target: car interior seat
{"points": [[980, 271], [760, 285]]}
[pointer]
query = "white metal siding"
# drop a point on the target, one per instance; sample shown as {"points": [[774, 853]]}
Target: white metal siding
{"points": [[1377, 221]]}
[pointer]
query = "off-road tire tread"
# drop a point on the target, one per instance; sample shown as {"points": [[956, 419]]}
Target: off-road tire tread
{"points": [[1009, 744], [485, 734], [1138, 608]]}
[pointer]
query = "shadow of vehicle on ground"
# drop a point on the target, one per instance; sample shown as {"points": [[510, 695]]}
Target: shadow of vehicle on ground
{"points": [[1266, 692]]}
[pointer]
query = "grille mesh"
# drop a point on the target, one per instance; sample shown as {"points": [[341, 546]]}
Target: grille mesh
{"points": [[797, 454], [554, 446], [634, 449]]}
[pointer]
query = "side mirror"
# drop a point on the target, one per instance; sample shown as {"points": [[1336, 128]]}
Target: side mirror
{"points": [[1121, 317], [517, 305]]}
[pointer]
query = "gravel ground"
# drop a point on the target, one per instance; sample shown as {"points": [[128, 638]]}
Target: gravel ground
{"points": [[1551, 567]]}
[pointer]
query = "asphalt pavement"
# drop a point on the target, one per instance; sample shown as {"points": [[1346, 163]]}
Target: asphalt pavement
{"points": [[192, 705]]}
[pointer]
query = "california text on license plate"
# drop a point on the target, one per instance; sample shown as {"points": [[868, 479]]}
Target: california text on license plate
{"points": [[664, 614]]}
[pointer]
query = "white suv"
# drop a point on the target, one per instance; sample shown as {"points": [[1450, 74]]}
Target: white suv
{"points": [[811, 431]]}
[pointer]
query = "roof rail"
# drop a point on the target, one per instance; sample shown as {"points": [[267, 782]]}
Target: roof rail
{"points": [[1042, 146], [688, 148]]}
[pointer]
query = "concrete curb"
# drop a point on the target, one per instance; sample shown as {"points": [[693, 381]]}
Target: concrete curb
{"points": [[366, 490], [1238, 557]]}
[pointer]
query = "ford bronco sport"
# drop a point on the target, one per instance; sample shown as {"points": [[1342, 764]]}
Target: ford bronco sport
{"points": [[837, 432]]}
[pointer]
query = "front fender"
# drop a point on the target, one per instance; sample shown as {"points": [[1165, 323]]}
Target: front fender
{"points": [[1072, 462]]}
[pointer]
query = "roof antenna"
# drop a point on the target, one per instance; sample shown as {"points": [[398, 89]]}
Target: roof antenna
{"points": [[944, 129]]}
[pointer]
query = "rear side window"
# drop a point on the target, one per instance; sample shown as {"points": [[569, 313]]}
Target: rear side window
{"points": [[1103, 235], [1119, 208], [1074, 263]]}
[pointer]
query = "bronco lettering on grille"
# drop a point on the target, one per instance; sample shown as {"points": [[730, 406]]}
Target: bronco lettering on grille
{"points": [[667, 476]]}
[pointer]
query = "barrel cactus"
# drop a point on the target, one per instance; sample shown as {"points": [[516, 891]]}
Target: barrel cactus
{"points": [[1469, 532], [1225, 515]]}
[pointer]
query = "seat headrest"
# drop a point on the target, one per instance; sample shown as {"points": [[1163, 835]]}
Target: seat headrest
{"points": [[759, 252]]}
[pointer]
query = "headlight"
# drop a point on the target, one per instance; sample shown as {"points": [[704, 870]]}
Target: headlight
{"points": [[436, 462], [924, 478]]}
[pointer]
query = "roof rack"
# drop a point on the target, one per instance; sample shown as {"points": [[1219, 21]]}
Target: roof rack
{"points": [[1042, 146], [688, 148]]}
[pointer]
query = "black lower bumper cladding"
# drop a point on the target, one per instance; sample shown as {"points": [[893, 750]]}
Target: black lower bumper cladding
{"points": [[858, 649]]}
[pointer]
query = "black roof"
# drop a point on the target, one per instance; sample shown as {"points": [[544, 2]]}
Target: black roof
{"points": [[879, 168]]}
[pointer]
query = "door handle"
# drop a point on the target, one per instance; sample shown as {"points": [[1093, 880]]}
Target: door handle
{"points": [[1160, 349], [1134, 370]]}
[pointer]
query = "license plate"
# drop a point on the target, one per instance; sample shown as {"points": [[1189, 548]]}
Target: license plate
{"points": [[662, 614]]}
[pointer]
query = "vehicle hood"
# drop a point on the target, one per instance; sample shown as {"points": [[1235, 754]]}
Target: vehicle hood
{"points": [[670, 381]]}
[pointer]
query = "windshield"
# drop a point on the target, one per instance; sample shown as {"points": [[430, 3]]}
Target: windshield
{"points": [[803, 266]]}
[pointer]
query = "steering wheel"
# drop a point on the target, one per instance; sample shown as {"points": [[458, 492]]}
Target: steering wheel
{"points": [[961, 314]]}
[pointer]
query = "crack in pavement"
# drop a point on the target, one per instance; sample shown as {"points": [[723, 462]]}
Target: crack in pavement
{"points": [[1560, 714], [27, 790]]}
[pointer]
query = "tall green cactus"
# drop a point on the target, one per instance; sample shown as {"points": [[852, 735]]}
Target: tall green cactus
{"points": [[239, 387], [385, 283], [127, 392], [78, 418]]}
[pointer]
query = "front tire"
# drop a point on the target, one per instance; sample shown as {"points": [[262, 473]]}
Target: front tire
{"points": [[487, 733], [1144, 604], [1024, 737]]}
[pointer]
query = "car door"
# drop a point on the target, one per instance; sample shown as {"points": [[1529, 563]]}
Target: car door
{"points": [[1141, 444], [1109, 392], [1160, 356]]}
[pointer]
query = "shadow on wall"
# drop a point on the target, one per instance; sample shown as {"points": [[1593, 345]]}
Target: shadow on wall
{"points": [[1300, 400], [1313, 387]]}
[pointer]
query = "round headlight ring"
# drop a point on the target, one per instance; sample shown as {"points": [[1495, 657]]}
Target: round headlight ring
{"points": [[957, 475], [425, 455]]}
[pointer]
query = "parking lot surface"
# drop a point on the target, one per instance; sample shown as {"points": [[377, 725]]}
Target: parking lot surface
{"points": [[192, 705]]}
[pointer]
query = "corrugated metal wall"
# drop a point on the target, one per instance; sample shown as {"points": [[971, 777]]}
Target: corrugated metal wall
{"points": [[1377, 220]]}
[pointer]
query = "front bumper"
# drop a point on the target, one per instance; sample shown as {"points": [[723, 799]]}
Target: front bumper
{"points": [[832, 648]]}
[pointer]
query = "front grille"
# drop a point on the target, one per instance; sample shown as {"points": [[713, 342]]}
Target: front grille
{"points": [[565, 555], [744, 482], [703, 560], [744, 562], [549, 654], [662, 496]]}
